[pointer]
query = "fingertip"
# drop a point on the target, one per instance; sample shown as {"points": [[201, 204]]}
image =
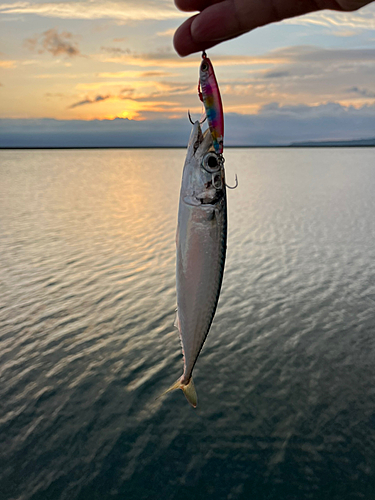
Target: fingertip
{"points": [[193, 5], [183, 41], [215, 24], [181, 38], [186, 5], [182, 5]]}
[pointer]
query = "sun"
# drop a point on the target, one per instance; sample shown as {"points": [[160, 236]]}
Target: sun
{"points": [[130, 115]]}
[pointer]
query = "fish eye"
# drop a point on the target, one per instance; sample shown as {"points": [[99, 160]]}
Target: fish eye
{"points": [[211, 163]]}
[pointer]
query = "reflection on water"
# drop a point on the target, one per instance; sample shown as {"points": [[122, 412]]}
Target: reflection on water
{"points": [[87, 299]]}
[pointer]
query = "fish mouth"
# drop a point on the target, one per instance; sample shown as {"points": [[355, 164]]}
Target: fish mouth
{"points": [[199, 141], [196, 136]]}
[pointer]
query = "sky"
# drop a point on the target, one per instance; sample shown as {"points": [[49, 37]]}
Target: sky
{"points": [[95, 72]]}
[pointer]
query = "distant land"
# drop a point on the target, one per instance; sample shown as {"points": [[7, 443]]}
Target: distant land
{"points": [[357, 143], [329, 144]]}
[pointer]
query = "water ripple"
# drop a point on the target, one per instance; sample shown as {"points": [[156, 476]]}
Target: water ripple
{"points": [[87, 343]]}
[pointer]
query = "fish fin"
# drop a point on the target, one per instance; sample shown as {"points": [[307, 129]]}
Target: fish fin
{"points": [[173, 387], [177, 321], [188, 390], [190, 393]]}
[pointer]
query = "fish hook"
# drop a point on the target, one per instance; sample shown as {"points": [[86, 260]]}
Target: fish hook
{"points": [[233, 187], [189, 115], [191, 121], [200, 95]]}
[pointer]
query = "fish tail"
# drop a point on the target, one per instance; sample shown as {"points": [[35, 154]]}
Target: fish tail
{"points": [[190, 393], [188, 389]]}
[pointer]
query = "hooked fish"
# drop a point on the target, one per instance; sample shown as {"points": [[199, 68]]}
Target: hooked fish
{"points": [[200, 249]]}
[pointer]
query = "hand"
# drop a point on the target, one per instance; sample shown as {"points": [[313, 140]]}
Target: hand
{"points": [[221, 20]]}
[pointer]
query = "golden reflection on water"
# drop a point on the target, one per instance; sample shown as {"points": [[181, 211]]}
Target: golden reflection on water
{"points": [[130, 196]]}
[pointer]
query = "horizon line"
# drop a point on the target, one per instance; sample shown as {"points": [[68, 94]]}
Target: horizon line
{"points": [[273, 146]]}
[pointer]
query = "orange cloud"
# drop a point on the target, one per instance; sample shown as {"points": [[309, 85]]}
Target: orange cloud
{"points": [[135, 74], [110, 107], [172, 61], [8, 64], [126, 10]]}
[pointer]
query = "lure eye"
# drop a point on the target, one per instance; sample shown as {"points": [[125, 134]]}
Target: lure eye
{"points": [[211, 163], [204, 66]]}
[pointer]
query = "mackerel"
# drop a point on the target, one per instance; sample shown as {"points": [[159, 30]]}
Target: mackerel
{"points": [[200, 250]]}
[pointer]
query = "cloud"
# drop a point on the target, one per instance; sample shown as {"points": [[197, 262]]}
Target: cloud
{"points": [[305, 74], [133, 10], [296, 55], [115, 50], [312, 54], [346, 33], [98, 98], [276, 74], [169, 32], [144, 96], [67, 76], [330, 121], [135, 74], [126, 10], [8, 64], [154, 74], [141, 88], [360, 20], [301, 110], [52, 95], [57, 44], [362, 92], [273, 125], [168, 59], [301, 74], [135, 99]]}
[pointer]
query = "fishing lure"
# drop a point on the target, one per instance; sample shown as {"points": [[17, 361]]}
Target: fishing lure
{"points": [[209, 94]]}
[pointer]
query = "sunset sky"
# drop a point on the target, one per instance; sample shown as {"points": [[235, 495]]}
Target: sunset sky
{"points": [[100, 60]]}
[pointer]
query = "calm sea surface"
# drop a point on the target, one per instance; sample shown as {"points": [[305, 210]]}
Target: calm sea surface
{"points": [[286, 379]]}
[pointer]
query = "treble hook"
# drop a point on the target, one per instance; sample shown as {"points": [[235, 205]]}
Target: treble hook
{"points": [[233, 187], [191, 121]]}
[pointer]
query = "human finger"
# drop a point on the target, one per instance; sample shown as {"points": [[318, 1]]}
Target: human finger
{"points": [[184, 43], [227, 19], [231, 18], [350, 5], [194, 5], [218, 22]]}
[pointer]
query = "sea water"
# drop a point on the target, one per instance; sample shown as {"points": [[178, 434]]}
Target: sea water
{"points": [[286, 379]]}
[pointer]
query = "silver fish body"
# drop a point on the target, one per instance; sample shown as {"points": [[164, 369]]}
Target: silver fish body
{"points": [[200, 249]]}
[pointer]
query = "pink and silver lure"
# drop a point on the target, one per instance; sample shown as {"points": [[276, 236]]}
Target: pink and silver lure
{"points": [[210, 96]]}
